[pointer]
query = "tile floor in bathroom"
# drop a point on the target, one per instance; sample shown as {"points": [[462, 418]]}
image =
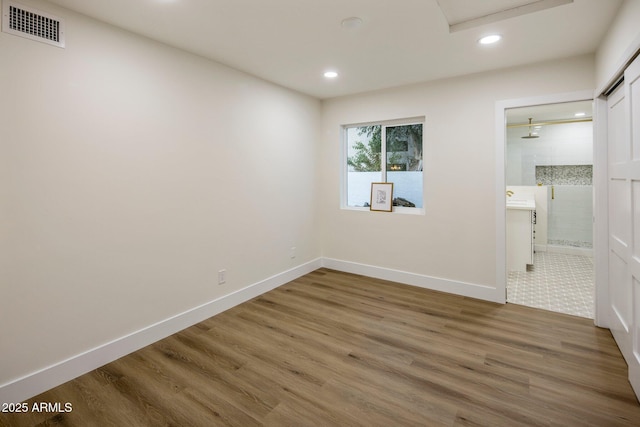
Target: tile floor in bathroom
{"points": [[556, 282]]}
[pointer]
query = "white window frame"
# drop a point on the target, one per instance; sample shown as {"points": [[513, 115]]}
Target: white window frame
{"points": [[383, 161]]}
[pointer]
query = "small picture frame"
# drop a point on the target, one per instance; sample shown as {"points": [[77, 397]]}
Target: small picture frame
{"points": [[381, 196]]}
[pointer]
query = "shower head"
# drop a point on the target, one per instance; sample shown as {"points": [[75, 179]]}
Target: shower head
{"points": [[530, 136]]}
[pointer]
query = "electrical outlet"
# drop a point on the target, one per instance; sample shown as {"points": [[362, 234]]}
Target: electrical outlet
{"points": [[292, 252], [222, 277]]}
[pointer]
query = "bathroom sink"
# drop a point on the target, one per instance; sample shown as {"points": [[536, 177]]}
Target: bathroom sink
{"points": [[521, 203]]}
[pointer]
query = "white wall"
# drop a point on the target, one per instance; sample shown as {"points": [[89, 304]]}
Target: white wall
{"points": [[130, 173], [456, 238], [621, 41]]}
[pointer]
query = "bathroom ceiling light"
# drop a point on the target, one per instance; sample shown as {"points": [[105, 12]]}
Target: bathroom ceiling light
{"points": [[493, 38], [330, 74]]}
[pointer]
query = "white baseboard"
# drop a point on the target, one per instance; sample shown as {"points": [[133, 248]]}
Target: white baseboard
{"points": [[471, 290], [52, 376], [59, 373]]}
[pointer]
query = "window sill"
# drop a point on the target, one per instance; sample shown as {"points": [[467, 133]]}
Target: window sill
{"points": [[396, 210]]}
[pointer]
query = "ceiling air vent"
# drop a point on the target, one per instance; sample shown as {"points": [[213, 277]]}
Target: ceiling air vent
{"points": [[33, 24]]}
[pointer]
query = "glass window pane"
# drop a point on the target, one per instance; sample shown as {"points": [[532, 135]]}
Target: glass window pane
{"points": [[404, 164], [364, 153]]}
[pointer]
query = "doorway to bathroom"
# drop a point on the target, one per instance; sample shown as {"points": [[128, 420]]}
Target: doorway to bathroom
{"points": [[549, 182]]}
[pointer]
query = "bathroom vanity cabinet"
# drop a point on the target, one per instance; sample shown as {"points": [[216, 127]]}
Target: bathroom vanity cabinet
{"points": [[520, 236]]}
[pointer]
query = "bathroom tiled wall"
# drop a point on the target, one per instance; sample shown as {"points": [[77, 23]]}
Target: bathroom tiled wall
{"points": [[570, 204], [571, 216], [558, 145]]}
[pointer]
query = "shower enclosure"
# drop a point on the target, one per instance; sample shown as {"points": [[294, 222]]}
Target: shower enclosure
{"points": [[570, 205]]}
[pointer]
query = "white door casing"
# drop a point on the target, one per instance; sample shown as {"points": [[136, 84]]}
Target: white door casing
{"points": [[500, 131]]}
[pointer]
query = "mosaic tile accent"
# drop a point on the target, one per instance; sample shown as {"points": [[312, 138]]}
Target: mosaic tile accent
{"points": [[556, 282], [565, 175], [571, 243]]}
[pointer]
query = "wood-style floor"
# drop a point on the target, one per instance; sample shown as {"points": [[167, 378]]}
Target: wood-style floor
{"points": [[336, 349]]}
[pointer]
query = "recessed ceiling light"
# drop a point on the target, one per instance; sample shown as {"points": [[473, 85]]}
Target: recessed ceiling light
{"points": [[580, 114], [330, 74], [493, 38]]}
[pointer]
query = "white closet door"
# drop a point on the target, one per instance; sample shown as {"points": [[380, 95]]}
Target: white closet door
{"points": [[624, 218], [632, 88]]}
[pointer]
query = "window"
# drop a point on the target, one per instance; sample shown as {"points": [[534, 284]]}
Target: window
{"points": [[384, 152]]}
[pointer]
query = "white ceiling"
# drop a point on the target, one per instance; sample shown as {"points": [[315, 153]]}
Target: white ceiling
{"points": [[550, 112], [292, 42]]}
